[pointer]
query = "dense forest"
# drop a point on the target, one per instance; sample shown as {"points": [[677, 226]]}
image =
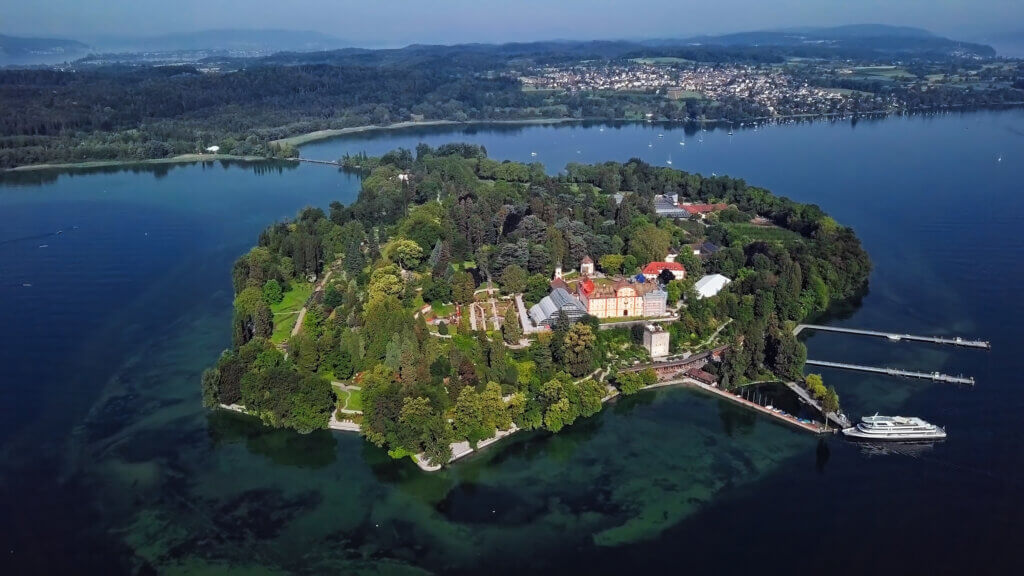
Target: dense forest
{"points": [[396, 272], [133, 112]]}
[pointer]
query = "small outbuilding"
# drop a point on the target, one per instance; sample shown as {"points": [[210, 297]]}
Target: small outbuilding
{"points": [[213, 149]]}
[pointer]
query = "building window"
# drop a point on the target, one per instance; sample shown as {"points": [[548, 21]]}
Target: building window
{"points": [[625, 312]]}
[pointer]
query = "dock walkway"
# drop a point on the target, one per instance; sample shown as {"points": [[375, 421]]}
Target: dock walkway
{"points": [[957, 341], [934, 376], [839, 419]]}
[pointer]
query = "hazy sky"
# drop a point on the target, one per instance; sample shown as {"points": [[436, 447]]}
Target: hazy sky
{"points": [[398, 22]]}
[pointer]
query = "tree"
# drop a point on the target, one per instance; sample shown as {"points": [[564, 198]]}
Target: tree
{"points": [[830, 403], [537, 287], [611, 263], [252, 316], [413, 421], [649, 243], [437, 290], [310, 405], [815, 385], [272, 293], [384, 281], [211, 387], [469, 417], [511, 330], [578, 349], [463, 287], [343, 364], [513, 279], [406, 253]]}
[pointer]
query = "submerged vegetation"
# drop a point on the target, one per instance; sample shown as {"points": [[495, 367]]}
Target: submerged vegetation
{"points": [[409, 296]]}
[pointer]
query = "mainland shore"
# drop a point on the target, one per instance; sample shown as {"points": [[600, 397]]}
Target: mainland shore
{"points": [[180, 159], [326, 134]]}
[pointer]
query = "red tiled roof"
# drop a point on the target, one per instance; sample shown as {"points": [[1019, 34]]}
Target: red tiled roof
{"points": [[657, 267], [559, 283], [587, 260], [587, 286], [703, 208]]}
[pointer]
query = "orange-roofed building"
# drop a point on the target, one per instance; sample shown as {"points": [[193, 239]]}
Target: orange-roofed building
{"points": [[702, 209], [654, 269]]}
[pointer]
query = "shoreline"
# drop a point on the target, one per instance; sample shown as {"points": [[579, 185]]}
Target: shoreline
{"points": [[179, 159], [318, 135]]}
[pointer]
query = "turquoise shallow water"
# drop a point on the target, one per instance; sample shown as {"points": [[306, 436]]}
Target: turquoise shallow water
{"points": [[102, 426]]}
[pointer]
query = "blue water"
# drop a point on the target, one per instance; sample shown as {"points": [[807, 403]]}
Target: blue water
{"points": [[109, 457]]}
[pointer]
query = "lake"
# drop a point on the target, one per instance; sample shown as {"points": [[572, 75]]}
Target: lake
{"points": [[116, 294]]}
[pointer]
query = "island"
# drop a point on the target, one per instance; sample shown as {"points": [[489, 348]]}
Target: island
{"points": [[460, 299]]}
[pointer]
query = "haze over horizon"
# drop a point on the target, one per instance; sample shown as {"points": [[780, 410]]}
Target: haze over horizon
{"points": [[398, 23]]}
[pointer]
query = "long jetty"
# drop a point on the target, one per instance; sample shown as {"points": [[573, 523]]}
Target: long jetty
{"points": [[934, 376], [897, 337], [311, 161]]}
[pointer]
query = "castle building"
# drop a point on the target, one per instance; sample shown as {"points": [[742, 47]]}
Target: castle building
{"points": [[619, 298]]}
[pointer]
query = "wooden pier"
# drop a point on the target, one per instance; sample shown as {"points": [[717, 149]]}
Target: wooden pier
{"points": [[934, 376], [897, 337]]}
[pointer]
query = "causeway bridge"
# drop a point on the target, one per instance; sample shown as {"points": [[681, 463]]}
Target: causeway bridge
{"points": [[897, 337], [934, 376]]}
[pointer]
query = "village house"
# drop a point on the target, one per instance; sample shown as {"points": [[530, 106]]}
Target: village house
{"points": [[702, 210], [653, 270], [705, 249]]}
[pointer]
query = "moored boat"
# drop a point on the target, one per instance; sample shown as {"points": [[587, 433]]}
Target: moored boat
{"points": [[894, 428]]}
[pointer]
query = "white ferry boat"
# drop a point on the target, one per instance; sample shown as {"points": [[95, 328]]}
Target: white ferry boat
{"points": [[894, 428]]}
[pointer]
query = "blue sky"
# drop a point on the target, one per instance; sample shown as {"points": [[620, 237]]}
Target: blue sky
{"points": [[399, 22]]}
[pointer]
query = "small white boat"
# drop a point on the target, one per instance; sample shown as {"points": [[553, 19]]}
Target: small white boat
{"points": [[894, 428], [533, 153]]}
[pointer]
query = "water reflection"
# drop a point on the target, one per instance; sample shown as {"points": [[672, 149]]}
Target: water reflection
{"points": [[315, 450]]}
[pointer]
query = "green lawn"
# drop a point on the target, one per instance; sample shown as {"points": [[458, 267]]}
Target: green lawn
{"points": [[442, 310], [349, 399], [746, 232], [286, 311]]}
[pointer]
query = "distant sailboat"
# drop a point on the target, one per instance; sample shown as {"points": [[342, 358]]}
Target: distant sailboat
{"points": [[533, 153], [649, 145], [669, 161]]}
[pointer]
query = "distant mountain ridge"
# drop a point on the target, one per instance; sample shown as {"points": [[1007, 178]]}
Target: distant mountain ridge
{"points": [[270, 40], [854, 38], [17, 46]]}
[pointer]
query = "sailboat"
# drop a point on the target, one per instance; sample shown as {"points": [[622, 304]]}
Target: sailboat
{"points": [[669, 161]]}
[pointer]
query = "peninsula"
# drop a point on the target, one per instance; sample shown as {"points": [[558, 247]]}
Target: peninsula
{"points": [[460, 299]]}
